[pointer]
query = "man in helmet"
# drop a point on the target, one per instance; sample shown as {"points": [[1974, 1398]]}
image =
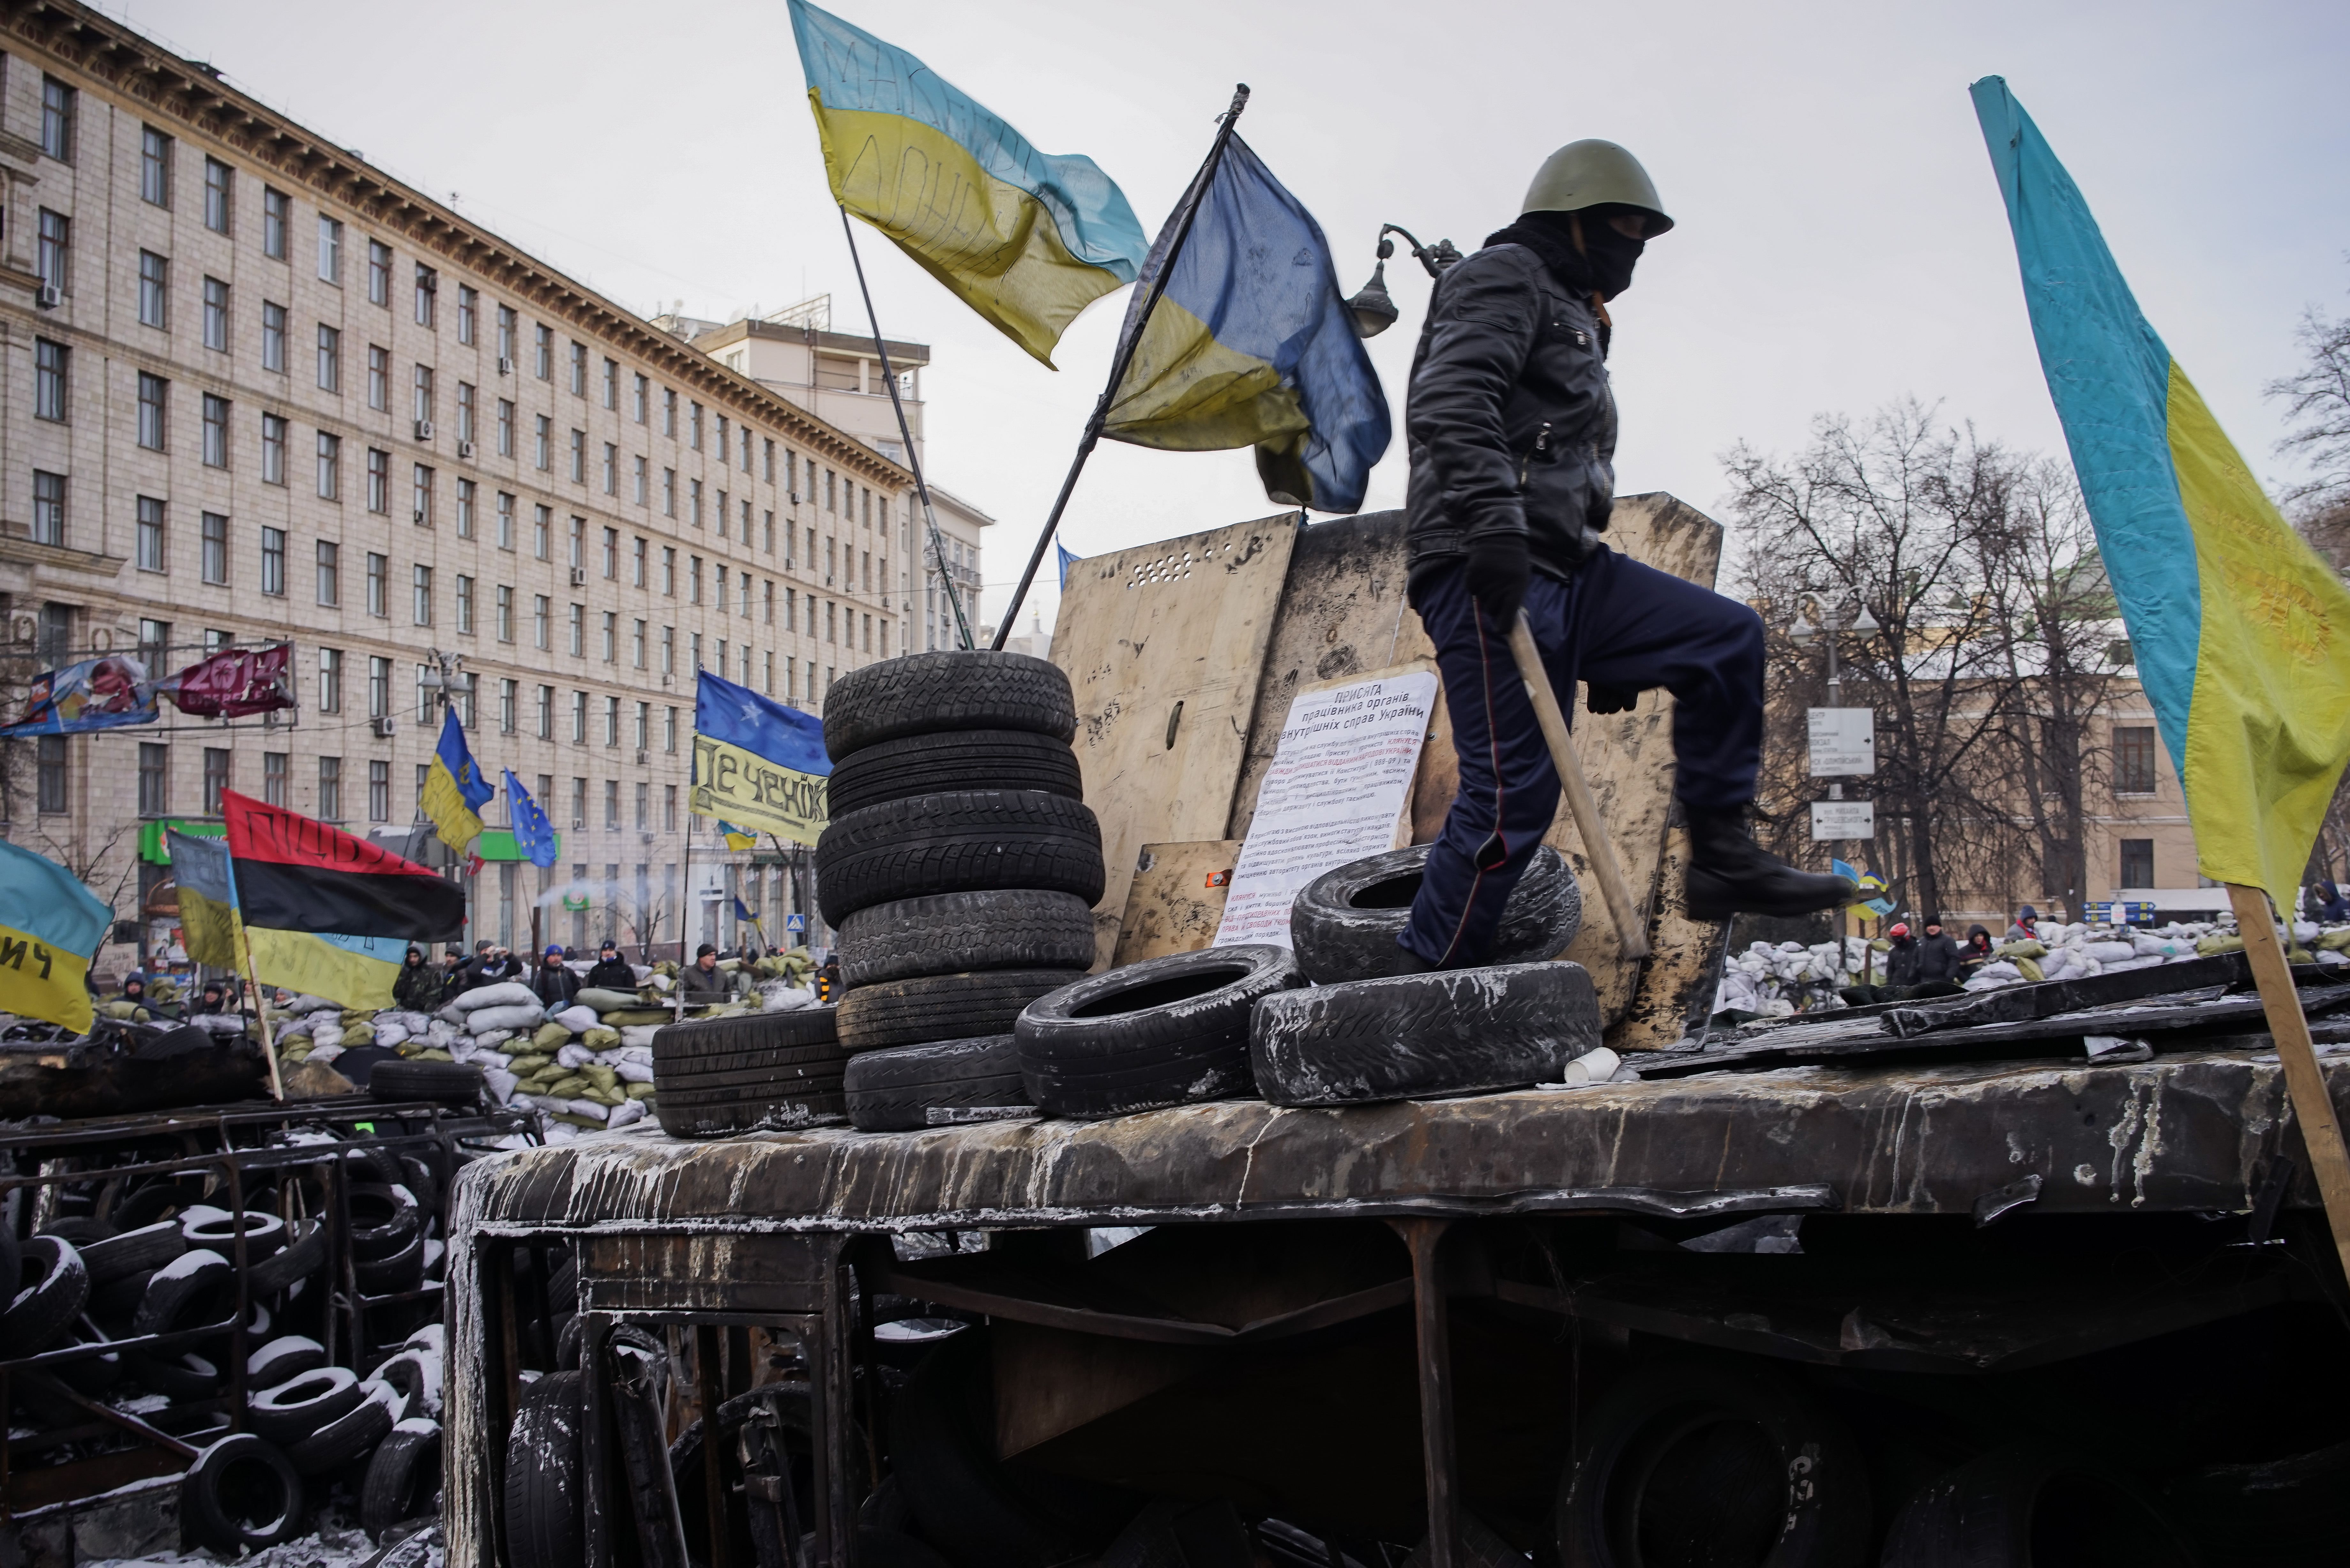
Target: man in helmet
{"points": [[1511, 430]]}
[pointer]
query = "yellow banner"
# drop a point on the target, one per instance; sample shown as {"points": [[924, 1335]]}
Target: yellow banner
{"points": [[746, 789], [357, 971], [38, 980]]}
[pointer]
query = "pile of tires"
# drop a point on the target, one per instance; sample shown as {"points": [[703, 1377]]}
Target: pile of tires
{"points": [[960, 866]]}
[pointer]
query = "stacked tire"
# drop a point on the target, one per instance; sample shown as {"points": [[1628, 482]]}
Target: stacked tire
{"points": [[959, 868]]}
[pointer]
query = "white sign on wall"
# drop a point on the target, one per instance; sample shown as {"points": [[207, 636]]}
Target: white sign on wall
{"points": [[1843, 819], [1844, 742]]}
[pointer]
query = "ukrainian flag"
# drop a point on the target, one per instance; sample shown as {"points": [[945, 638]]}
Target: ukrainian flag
{"points": [[1027, 239], [757, 764], [455, 790], [1251, 345], [2240, 633], [209, 920], [50, 926]]}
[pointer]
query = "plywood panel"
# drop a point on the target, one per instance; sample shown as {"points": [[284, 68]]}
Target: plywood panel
{"points": [[1177, 899], [1142, 630], [1684, 964]]}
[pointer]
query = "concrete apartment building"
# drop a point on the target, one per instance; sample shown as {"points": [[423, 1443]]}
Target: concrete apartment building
{"points": [[254, 389]]}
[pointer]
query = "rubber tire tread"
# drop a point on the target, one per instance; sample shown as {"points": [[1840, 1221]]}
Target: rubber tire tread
{"points": [[265, 1235], [403, 1271], [1168, 1054], [943, 1006], [950, 760], [297, 1260], [894, 1090], [769, 1080], [400, 1476], [129, 1252], [800, 1026], [441, 1083], [341, 1440], [1336, 942], [283, 1424], [168, 1296], [735, 1114], [39, 1315], [954, 933], [957, 841], [369, 1242], [1420, 1036], [208, 1522], [302, 1355], [544, 1502], [922, 694]]}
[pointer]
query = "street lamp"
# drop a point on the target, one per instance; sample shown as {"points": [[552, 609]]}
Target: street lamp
{"points": [[1804, 633], [1373, 308]]}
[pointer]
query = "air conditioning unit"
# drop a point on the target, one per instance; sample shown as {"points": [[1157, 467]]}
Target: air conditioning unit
{"points": [[384, 728], [424, 429], [465, 449], [47, 296], [578, 577], [641, 758], [579, 822], [506, 366]]}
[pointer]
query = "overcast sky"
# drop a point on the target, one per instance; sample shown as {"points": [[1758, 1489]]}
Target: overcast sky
{"points": [[1840, 242]]}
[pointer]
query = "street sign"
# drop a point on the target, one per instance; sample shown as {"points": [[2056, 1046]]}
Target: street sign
{"points": [[2122, 912], [1843, 819], [1844, 742], [795, 922]]}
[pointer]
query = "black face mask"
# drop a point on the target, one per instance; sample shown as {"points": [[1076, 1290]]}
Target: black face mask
{"points": [[1602, 265]]}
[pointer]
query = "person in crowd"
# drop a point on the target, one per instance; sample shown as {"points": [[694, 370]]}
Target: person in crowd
{"points": [[213, 999], [2327, 905], [828, 979], [418, 988], [1938, 961], [134, 991], [494, 965], [1902, 962], [2025, 929], [555, 985], [1977, 950], [611, 972], [703, 981]]}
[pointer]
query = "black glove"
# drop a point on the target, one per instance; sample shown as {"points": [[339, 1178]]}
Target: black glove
{"points": [[1497, 575], [1611, 698]]}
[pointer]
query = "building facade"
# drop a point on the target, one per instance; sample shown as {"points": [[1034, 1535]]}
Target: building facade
{"points": [[253, 388]]}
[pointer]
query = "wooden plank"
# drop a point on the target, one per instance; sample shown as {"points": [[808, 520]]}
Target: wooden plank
{"points": [[1177, 899], [2321, 1130], [1677, 984], [1184, 622]]}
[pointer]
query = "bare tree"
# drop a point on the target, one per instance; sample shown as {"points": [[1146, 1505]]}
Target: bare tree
{"points": [[2318, 395]]}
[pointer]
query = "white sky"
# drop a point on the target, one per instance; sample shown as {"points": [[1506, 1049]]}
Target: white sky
{"points": [[1841, 241]]}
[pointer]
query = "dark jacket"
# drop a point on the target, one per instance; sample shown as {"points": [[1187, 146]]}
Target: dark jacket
{"points": [[612, 974], [1510, 422], [1901, 963], [418, 988], [486, 970], [554, 986], [1938, 957], [1976, 950], [697, 987]]}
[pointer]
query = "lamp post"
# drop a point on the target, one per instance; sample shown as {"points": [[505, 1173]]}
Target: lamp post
{"points": [[1804, 633], [1373, 308]]}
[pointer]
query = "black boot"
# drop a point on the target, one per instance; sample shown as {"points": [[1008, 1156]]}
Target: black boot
{"points": [[1729, 873]]}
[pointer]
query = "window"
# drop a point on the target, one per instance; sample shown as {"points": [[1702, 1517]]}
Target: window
{"points": [[420, 594], [379, 273], [378, 378], [154, 778], [154, 167], [668, 744], [722, 440], [506, 428], [2134, 766], [637, 557], [644, 736], [2137, 863], [465, 493], [668, 492], [768, 459], [378, 480], [578, 369], [612, 469], [216, 315], [331, 250], [50, 362], [273, 449], [150, 535], [330, 681], [542, 530], [378, 687], [693, 491], [216, 412], [49, 765], [578, 457], [611, 804], [644, 790], [330, 789], [216, 763], [611, 638], [464, 605], [214, 528], [543, 351], [421, 496], [507, 326], [154, 408], [542, 450], [469, 306], [578, 737], [54, 262], [428, 287], [669, 412], [579, 625], [506, 521], [273, 561], [465, 400], [379, 790], [669, 571], [546, 725], [693, 427], [154, 290], [58, 106], [612, 739], [274, 769], [693, 579], [506, 613], [721, 518], [611, 555], [509, 700], [669, 651], [379, 585], [218, 183], [540, 609], [770, 604], [276, 210], [330, 358], [273, 336], [636, 649], [330, 588], [423, 400], [330, 467], [612, 383], [643, 481]]}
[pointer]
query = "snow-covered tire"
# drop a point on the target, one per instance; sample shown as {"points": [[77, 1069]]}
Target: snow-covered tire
{"points": [[283, 1359], [440, 1083], [943, 1007], [1344, 923], [241, 1495], [215, 1230], [898, 1090], [129, 1252], [954, 933], [292, 1410], [922, 694], [343, 1440], [384, 1219], [402, 1476], [193, 1289], [299, 1260], [544, 1524], [957, 841], [1421, 1036], [52, 1287], [1166, 1032], [953, 759], [403, 1271]]}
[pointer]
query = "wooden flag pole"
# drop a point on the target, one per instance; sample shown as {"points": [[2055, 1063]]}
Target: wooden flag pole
{"points": [[2313, 1106], [1631, 935], [261, 1012]]}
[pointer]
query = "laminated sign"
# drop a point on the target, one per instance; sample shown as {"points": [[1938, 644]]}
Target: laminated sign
{"points": [[1339, 780]]}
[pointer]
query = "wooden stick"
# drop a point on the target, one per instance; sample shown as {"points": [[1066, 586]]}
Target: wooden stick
{"points": [[2313, 1106], [261, 1012], [1631, 933]]}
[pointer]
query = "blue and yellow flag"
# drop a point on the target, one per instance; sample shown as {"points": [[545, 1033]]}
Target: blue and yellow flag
{"points": [[1027, 239], [210, 925], [1251, 345], [2240, 633], [50, 926], [737, 839], [757, 761], [454, 790], [534, 834]]}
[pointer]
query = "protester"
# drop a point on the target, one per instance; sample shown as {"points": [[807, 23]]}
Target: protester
{"points": [[2326, 904], [1977, 952], [420, 987], [212, 1000], [611, 972], [1939, 961], [702, 980], [492, 965], [828, 979], [2022, 930], [555, 985], [1901, 963], [134, 991]]}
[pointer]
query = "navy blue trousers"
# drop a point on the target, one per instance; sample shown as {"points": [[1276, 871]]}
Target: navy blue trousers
{"points": [[1617, 623]]}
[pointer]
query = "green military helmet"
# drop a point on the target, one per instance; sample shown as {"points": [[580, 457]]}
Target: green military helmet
{"points": [[1592, 173]]}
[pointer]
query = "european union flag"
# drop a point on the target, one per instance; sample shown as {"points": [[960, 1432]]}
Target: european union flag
{"points": [[534, 834]]}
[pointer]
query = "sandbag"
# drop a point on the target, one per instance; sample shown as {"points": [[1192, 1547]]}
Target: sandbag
{"points": [[627, 1018], [364, 1034], [604, 999], [638, 1037], [550, 1035], [600, 1039], [510, 1015], [577, 1019], [506, 993]]}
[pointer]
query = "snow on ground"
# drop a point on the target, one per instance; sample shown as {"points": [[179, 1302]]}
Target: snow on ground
{"points": [[337, 1544]]}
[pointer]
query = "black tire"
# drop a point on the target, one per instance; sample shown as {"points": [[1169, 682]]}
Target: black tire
{"points": [[265, 1234], [545, 1522], [194, 1290], [343, 1440], [896, 1091], [81, 1230], [2034, 1502], [283, 1359], [1344, 923], [52, 1288], [241, 1494], [301, 1258], [423, 1180], [440, 1083], [159, 1199], [958, 841], [954, 933], [1166, 1032], [923, 693], [295, 1410], [401, 1477], [1423, 1037], [188, 1376], [723, 1075], [384, 1219], [403, 1271], [680, 1046], [1713, 1462], [943, 1007], [953, 759], [129, 1253], [819, 1104], [370, 1161]]}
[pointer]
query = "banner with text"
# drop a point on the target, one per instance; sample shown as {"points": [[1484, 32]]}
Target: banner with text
{"points": [[757, 762]]}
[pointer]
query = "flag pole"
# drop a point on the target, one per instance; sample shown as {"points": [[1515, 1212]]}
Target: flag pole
{"points": [[1128, 342], [2305, 1082], [261, 1012], [905, 434]]}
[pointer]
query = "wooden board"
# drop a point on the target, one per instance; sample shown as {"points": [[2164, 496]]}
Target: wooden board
{"points": [[1684, 961], [1176, 899], [1184, 621]]}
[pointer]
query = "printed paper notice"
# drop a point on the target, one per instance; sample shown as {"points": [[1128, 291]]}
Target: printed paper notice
{"points": [[1339, 779]]}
